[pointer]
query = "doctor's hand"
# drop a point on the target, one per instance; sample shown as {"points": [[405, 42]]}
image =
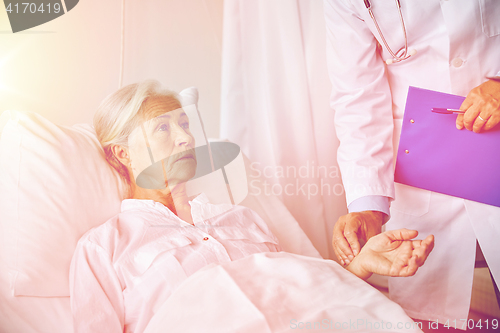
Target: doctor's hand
{"points": [[392, 253], [482, 108], [352, 227]]}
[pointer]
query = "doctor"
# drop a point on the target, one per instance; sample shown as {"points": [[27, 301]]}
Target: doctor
{"points": [[452, 47]]}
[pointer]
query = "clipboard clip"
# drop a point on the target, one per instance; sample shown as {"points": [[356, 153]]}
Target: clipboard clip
{"points": [[447, 111]]}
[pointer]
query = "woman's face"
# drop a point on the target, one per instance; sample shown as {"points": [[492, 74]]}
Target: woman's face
{"points": [[169, 139]]}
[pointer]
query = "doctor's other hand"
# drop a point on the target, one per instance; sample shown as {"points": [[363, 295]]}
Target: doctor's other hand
{"points": [[482, 108], [392, 253], [352, 227]]}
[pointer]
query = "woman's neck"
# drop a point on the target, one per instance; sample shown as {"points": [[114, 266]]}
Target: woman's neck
{"points": [[174, 199]]}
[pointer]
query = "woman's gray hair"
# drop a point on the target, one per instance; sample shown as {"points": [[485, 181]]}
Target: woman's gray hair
{"points": [[123, 111]]}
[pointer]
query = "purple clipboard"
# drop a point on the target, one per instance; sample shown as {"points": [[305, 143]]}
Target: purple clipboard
{"points": [[435, 156]]}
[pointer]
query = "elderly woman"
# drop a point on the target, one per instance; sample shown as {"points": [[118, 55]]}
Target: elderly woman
{"points": [[123, 270]]}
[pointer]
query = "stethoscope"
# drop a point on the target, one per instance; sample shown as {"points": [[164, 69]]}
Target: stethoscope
{"points": [[402, 53]]}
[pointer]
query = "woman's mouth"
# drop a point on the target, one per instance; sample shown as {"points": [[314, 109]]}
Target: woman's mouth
{"points": [[185, 157]]}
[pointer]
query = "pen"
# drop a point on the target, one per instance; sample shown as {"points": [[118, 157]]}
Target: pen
{"points": [[447, 111]]}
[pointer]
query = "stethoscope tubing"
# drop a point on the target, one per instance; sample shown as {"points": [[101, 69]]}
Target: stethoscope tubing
{"points": [[397, 56]]}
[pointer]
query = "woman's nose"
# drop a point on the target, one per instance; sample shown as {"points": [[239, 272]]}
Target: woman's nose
{"points": [[182, 137]]}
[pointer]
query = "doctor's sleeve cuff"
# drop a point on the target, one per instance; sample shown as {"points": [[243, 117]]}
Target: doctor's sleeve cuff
{"points": [[377, 203], [494, 78]]}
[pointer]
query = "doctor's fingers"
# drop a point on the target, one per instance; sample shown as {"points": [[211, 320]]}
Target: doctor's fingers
{"points": [[485, 120], [466, 104], [471, 115], [492, 121], [460, 121], [481, 104], [351, 234], [339, 242], [342, 249], [337, 238]]}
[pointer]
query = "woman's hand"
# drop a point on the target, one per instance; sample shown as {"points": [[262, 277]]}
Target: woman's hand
{"points": [[392, 253], [482, 107]]}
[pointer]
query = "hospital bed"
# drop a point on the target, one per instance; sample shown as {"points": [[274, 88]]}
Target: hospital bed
{"points": [[43, 215], [55, 185]]}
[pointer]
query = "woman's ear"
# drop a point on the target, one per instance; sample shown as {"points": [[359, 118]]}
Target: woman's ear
{"points": [[121, 154]]}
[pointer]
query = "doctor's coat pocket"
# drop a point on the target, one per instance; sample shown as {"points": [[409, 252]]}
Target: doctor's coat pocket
{"points": [[411, 200], [490, 17]]}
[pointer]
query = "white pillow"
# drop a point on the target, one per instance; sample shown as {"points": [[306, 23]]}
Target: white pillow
{"points": [[55, 185]]}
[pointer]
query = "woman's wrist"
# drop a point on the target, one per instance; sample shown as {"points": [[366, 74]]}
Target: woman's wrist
{"points": [[356, 267]]}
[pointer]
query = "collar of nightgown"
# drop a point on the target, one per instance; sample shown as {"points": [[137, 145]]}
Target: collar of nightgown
{"points": [[201, 208]]}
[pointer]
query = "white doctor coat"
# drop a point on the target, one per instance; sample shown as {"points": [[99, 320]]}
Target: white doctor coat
{"points": [[458, 46]]}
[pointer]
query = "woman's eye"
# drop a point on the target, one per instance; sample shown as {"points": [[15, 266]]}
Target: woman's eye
{"points": [[163, 127], [185, 125]]}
